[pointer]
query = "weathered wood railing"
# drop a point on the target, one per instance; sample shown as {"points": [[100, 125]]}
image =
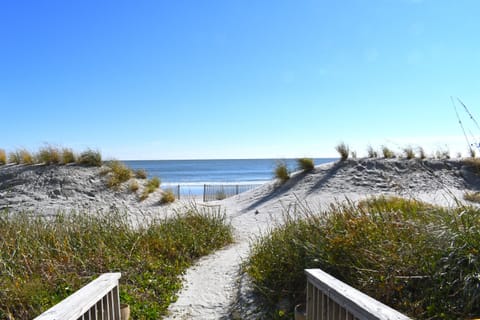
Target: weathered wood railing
{"points": [[98, 300], [330, 299]]}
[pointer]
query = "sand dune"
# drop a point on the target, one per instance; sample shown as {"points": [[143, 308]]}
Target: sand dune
{"points": [[214, 284]]}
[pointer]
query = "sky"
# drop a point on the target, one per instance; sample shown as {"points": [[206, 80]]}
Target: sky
{"points": [[189, 79]]}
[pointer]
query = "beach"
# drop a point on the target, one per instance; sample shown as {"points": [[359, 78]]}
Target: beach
{"points": [[215, 287]]}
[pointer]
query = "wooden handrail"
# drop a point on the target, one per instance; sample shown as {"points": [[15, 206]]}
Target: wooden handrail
{"points": [[331, 299], [97, 300]]}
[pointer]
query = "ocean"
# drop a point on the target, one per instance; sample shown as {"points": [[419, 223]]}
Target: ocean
{"points": [[192, 175]]}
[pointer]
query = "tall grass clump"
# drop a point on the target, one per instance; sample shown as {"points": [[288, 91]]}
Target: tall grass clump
{"points": [[371, 153], [387, 153], [473, 164], [68, 156], [281, 172], [167, 197], [151, 185], [49, 155], [44, 260], [90, 158], [421, 153], [118, 173], [140, 174], [409, 153], [417, 258], [3, 157], [343, 150], [305, 164], [21, 156]]}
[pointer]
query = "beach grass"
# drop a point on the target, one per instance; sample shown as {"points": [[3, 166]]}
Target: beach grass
{"points": [[118, 173], [281, 172], [343, 150], [408, 152], [472, 196], [68, 156], [417, 258], [49, 155], [44, 260], [89, 157], [140, 174], [133, 186], [305, 164], [421, 153], [371, 153], [167, 197], [3, 157], [387, 152], [151, 185]]}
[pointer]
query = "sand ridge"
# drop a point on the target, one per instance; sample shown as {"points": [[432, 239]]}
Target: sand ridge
{"points": [[215, 283]]}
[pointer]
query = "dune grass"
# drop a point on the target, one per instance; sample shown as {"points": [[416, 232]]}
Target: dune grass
{"points": [[133, 186], [151, 185], [167, 197], [408, 152], [43, 260], [49, 155], [419, 259], [3, 157], [118, 173], [343, 150], [281, 173], [305, 164], [140, 174], [68, 156], [388, 153], [371, 153], [91, 158], [472, 196]]}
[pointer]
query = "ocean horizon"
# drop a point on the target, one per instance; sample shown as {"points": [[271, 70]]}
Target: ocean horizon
{"points": [[191, 175]]}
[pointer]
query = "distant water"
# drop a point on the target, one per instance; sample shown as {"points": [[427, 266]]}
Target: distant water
{"points": [[191, 175]]}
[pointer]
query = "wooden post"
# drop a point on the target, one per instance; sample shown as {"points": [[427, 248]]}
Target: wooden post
{"points": [[204, 193]]}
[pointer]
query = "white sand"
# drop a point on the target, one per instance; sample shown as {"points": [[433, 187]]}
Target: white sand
{"points": [[213, 284]]}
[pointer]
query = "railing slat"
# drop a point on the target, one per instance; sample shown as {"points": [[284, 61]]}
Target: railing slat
{"points": [[89, 299], [340, 301]]}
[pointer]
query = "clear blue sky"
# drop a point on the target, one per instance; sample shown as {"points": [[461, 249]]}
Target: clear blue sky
{"points": [[236, 79]]}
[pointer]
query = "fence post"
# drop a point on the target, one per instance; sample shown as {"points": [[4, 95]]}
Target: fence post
{"points": [[204, 192], [236, 189], [178, 192]]}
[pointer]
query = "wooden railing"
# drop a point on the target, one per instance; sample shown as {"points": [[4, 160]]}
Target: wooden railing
{"points": [[330, 299], [97, 300]]}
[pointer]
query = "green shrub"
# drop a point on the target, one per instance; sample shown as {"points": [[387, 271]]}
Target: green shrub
{"points": [[68, 156], [371, 153], [343, 150], [387, 153], [167, 197], [45, 260], [90, 158], [3, 157], [281, 172], [305, 164], [417, 258], [49, 155], [409, 153], [14, 157]]}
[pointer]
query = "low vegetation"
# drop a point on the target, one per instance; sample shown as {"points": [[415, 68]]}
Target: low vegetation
{"points": [[118, 173], [388, 153], [90, 158], [49, 155], [167, 197], [306, 164], [419, 259], [281, 172], [140, 174], [421, 153], [68, 156], [133, 186], [43, 260], [343, 150], [371, 153], [409, 153], [151, 185], [3, 157], [472, 196]]}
